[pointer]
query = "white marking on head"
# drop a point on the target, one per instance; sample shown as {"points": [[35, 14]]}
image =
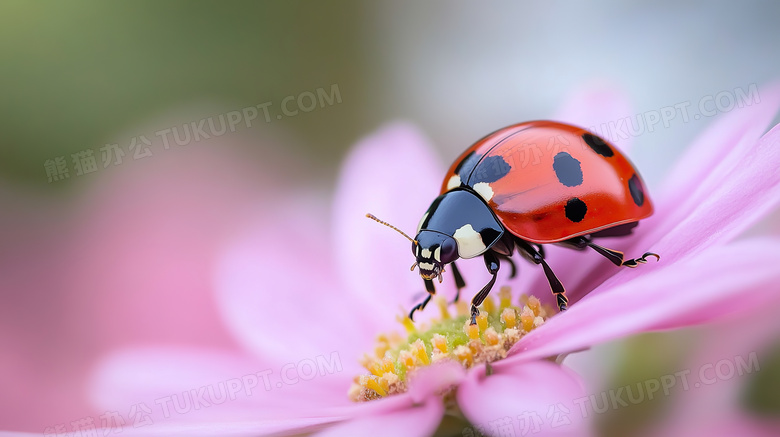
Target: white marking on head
{"points": [[426, 266], [426, 253], [454, 182], [437, 254], [422, 220], [469, 242], [484, 189]]}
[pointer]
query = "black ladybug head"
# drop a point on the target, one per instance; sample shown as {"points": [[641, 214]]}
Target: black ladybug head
{"points": [[458, 224], [433, 250]]}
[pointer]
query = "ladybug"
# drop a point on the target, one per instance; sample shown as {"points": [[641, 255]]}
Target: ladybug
{"points": [[524, 186]]}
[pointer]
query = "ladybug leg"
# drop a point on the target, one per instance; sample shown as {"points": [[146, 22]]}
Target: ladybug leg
{"points": [[511, 265], [555, 284], [616, 257], [420, 306], [459, 282], [492, 264]]}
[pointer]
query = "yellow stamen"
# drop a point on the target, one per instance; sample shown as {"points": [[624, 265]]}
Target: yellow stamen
{"points": [[418, 349], [439, 342], [491, 336], [471, 330], [482, 321], [407, 322], [509, 317], [388, 366], [527, 319], [406, 358], [395, 357], [505, 297], [375, 368], [372, 383], [445, 313], [489, 304], [535, 305], [464, 355]]}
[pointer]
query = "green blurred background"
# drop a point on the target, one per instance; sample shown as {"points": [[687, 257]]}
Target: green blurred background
{"points": [[74, 75]]}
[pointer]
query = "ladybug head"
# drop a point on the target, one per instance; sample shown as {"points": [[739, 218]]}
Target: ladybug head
{"points": [[433, 250]]}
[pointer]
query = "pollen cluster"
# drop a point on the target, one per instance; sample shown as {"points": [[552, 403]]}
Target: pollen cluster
{"points": [[449, 337]]}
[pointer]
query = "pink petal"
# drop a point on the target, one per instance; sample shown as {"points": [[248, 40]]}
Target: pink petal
{"points": [[279, 293], [536, 398], [716, 283], [434, 379], [394, 175], [407, 420], [726, 139], [725, 183], [602, 109], [248, 428], [169, 380]]}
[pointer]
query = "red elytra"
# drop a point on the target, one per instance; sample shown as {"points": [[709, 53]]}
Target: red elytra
{"points": [[553, 181]]}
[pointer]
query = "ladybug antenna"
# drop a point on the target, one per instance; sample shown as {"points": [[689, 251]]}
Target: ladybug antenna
{"points": [[373, 217]]}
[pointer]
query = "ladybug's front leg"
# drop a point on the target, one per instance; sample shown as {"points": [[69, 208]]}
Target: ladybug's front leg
{"points": [[431, 291], [492, 264]]}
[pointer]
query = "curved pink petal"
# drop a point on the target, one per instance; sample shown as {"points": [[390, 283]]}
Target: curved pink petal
{"points": [[716, 283], [191, 385], [234, 428], [394, 175], [726, 139], [727, 180], [602, 109], [434, 379], [278, 291], [534, 398], [407, 420]]}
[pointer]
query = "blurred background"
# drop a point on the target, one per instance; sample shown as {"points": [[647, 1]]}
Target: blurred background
{"points": [[108, 222]]}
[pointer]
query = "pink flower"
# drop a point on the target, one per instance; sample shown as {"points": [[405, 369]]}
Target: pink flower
{"points": [[296, 287]]}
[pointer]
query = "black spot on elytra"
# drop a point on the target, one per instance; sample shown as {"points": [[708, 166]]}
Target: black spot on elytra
{"points": [[636, 190], [597, 144], [466, 165], [576, 209], [490, 169], [567, 169]]}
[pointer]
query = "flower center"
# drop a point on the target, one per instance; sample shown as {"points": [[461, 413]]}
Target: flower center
{"points": [[450, 337]]}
